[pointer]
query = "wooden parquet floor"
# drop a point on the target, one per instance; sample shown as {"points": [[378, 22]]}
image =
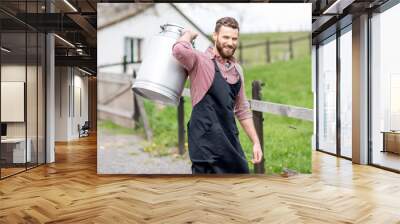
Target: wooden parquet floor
{"points": [[70, 191]]}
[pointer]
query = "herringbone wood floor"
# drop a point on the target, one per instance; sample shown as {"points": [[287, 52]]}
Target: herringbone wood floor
{"points": [[70, 191]]}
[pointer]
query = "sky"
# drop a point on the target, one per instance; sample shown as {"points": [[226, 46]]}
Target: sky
{"points": [[252, 17]]}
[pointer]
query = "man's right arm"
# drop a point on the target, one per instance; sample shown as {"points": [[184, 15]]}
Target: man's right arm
{"points": [[184, 52]]}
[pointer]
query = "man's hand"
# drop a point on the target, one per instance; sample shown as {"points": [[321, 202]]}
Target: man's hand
{"points": [[257, 153], [188, 35], [248, 126]]}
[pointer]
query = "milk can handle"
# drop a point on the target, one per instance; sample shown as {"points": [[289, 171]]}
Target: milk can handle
{"points": [[180, 32], [163, 29]]}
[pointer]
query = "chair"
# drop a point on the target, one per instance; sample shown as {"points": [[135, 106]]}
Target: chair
{"points": [[84, 130]]}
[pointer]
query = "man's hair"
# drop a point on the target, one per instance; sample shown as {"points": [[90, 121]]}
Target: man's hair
{"points": [[226, 21]]}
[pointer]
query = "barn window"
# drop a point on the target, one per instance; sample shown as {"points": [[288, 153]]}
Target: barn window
{"points": [[133, 49]]}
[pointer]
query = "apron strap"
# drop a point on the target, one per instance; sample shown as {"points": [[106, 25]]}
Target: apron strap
{"points": [[216, 66]]}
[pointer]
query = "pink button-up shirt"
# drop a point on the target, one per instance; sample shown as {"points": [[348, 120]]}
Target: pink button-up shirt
{"points": [[201, 74]]}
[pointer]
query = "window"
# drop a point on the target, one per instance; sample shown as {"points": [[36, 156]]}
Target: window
{"points": [[22, 75], [133, 49], [327, 95], [346, 92], [385, 89]]}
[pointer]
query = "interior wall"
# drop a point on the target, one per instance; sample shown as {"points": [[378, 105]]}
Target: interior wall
{"points": [[61, 103], [71, 102], [12, 73], [80, 104], [92, 100]]}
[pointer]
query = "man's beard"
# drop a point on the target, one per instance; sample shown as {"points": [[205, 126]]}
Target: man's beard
{"points": [[226, 52]]}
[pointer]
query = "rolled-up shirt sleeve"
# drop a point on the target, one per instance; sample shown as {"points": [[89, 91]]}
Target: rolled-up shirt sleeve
{"points": [[185, 54], [242, 105]]}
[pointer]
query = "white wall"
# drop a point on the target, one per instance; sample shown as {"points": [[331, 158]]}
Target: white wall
{"points": [[14, 73], [70, 83], [61, 103], [12, 100], [80, 94], [17, 73], [110, 40]]}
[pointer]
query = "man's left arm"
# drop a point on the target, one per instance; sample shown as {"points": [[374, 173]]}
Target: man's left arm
{"points": [[245, 117], [250, 130]]}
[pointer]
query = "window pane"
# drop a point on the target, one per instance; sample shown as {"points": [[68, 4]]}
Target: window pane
{"points": [[13, 86], [386, 89], [327, 96], [41, 99], [346, 93], [31, 97]]}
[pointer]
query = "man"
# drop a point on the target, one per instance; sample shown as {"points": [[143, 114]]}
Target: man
{"points": [[217, 91]]}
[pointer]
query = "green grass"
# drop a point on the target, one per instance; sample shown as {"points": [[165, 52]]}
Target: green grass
{"points": [[287, 141], [286, 144], [163, 121], [285, 82], [112, 128]]}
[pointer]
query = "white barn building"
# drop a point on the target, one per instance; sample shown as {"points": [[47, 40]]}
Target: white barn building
{"points": [[128, 36]]}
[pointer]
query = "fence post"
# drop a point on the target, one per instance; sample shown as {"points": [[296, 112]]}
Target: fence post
{"points": [[124, 63], [136, 113], [267, 51], [240, 52], [181, 126], [290, 47], [310, 43], [258, 123]]}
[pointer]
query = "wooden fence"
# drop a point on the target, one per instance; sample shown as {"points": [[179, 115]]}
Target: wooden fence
{"points": [[267, 45]]}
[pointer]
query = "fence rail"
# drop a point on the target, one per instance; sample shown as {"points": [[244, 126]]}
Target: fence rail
{"points": [[275, 42], [282, 109], [268, 44], [275, 108]]}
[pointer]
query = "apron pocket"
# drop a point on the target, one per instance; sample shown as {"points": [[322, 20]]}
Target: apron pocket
{"points": [[214, 128], [215, 141]]}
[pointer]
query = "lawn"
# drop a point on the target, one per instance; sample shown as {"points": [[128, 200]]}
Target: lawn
{"points": [[257, 54], [287, 141]]}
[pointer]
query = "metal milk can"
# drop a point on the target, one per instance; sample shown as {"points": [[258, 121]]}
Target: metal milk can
{"points": [[160, 77]]}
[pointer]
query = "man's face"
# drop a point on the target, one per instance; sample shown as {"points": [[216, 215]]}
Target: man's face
{"points": [[226, 41]]}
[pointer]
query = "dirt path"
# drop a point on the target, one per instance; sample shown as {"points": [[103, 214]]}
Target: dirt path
{"points": [[123, 154]]}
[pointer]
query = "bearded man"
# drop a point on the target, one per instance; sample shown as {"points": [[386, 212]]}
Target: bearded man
{"points": [[218, 96]]}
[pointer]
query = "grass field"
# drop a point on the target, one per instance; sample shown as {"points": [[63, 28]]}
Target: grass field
{"points": [[257, 54], [287, 141]]}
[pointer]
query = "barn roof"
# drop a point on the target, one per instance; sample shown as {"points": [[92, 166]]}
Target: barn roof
{"points": [[144, 7]]}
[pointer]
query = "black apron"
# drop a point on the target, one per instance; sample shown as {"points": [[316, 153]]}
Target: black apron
{"points": [[213, 137]]}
